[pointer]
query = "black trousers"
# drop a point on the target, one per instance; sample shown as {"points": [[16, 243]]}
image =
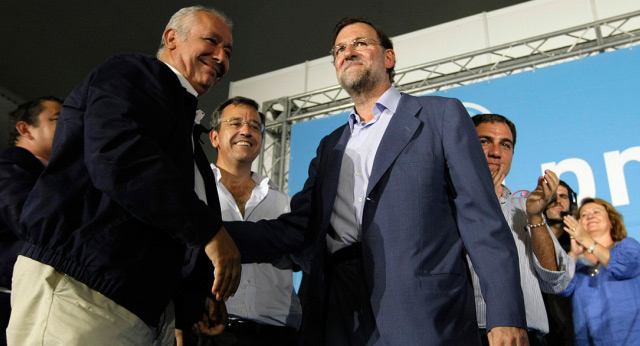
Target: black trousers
{"points": [[350, 320], [247, 335]]}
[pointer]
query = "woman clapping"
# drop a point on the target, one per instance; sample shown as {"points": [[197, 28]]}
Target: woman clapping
{"points": [[606, 285]]}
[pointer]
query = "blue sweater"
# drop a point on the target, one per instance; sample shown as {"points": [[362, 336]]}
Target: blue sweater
{"points": [[606, 307]]}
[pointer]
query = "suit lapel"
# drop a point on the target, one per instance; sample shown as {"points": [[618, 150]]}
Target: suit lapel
{"points": [[399, 132]]}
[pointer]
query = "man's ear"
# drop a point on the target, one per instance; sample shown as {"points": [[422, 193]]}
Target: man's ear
{"points": [[24, 129], [213, 137], [170, 37], [389, 58]]}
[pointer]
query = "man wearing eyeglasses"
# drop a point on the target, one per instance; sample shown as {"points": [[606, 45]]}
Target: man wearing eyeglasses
{"points": [[392, 200], [265, 309]]}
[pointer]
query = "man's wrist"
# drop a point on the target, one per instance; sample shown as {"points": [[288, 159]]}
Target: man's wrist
{"points": [[536, 225], [536, 221]]}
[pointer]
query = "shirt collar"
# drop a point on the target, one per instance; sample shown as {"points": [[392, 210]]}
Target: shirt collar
{"points": [[183, 81], [506, 193], [388, 101], [199, 116], [260, 180]]}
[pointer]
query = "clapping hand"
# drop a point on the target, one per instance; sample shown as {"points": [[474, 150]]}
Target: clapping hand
{"points": [[539, 198], [498, 177], [578, 236]]}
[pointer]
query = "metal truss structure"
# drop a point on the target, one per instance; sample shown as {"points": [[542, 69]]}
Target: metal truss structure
{"points": [[574, 43]]}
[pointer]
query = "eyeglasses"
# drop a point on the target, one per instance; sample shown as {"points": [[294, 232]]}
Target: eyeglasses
{"points": [[237, 123], [358, 44]]}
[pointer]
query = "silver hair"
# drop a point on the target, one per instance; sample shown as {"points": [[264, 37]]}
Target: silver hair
{"points": [[183, 20]]}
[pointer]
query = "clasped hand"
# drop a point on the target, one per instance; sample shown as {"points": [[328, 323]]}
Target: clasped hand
{"points": [[225, 257]]}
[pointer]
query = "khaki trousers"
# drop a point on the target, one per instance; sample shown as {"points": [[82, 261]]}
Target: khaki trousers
{"points": [[51, 308]]}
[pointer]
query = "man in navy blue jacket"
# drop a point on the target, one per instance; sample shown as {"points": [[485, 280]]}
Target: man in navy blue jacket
{"points": [[113, 223], [393, 199], [31, 129]]}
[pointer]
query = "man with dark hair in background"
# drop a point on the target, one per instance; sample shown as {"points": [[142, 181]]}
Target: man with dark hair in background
{"points": [[392, 200], [544, 266], [563, 203], [119, 216], [559, 310], [31, 129]]}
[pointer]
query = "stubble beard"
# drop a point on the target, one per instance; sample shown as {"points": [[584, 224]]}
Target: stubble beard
{"points": [[357, 85], [552, 220]]}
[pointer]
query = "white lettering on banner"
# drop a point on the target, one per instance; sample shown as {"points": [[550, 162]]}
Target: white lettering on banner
{"points": [[477, 109], [614, 161], [582, 170]]}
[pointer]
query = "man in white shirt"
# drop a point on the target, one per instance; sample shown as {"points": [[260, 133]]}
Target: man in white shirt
{"points": [[544, 265], [265, 309]]}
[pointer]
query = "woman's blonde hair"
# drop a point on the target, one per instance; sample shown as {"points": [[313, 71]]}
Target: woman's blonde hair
{"points": [[618, 231]]}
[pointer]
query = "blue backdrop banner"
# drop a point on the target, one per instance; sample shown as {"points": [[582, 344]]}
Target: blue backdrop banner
{"points": [[578, 119]]}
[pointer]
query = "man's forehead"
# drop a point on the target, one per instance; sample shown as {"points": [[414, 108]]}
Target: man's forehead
{"points": [[238, 110], [562, 190], [213, 25], [53, 107], [355, 30], [495, 130]]}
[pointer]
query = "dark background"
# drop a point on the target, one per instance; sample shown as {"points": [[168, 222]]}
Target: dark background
{"points": [[49, 46]]}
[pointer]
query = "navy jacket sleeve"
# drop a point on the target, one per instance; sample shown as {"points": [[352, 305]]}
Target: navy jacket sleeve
{"points": [[19, 170], [484, 231], [267, 240], [125, 158]]}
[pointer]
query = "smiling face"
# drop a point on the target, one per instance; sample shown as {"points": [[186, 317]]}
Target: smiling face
{"points": [[595, 219], [203, 57], [561, 204], [497, 143], [237, 144], [366, 68]]}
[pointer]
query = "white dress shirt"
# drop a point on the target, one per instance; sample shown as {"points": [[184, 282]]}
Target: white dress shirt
{"points": [[266, 293], [534, 279], [357, 162]]}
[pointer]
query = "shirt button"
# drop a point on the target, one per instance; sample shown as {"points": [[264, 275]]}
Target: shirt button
{"points": [[357, 174], [249, 281], [360, 199]]}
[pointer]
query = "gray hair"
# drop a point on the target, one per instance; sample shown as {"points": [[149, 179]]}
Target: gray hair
{"points": [[183, 20]]}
